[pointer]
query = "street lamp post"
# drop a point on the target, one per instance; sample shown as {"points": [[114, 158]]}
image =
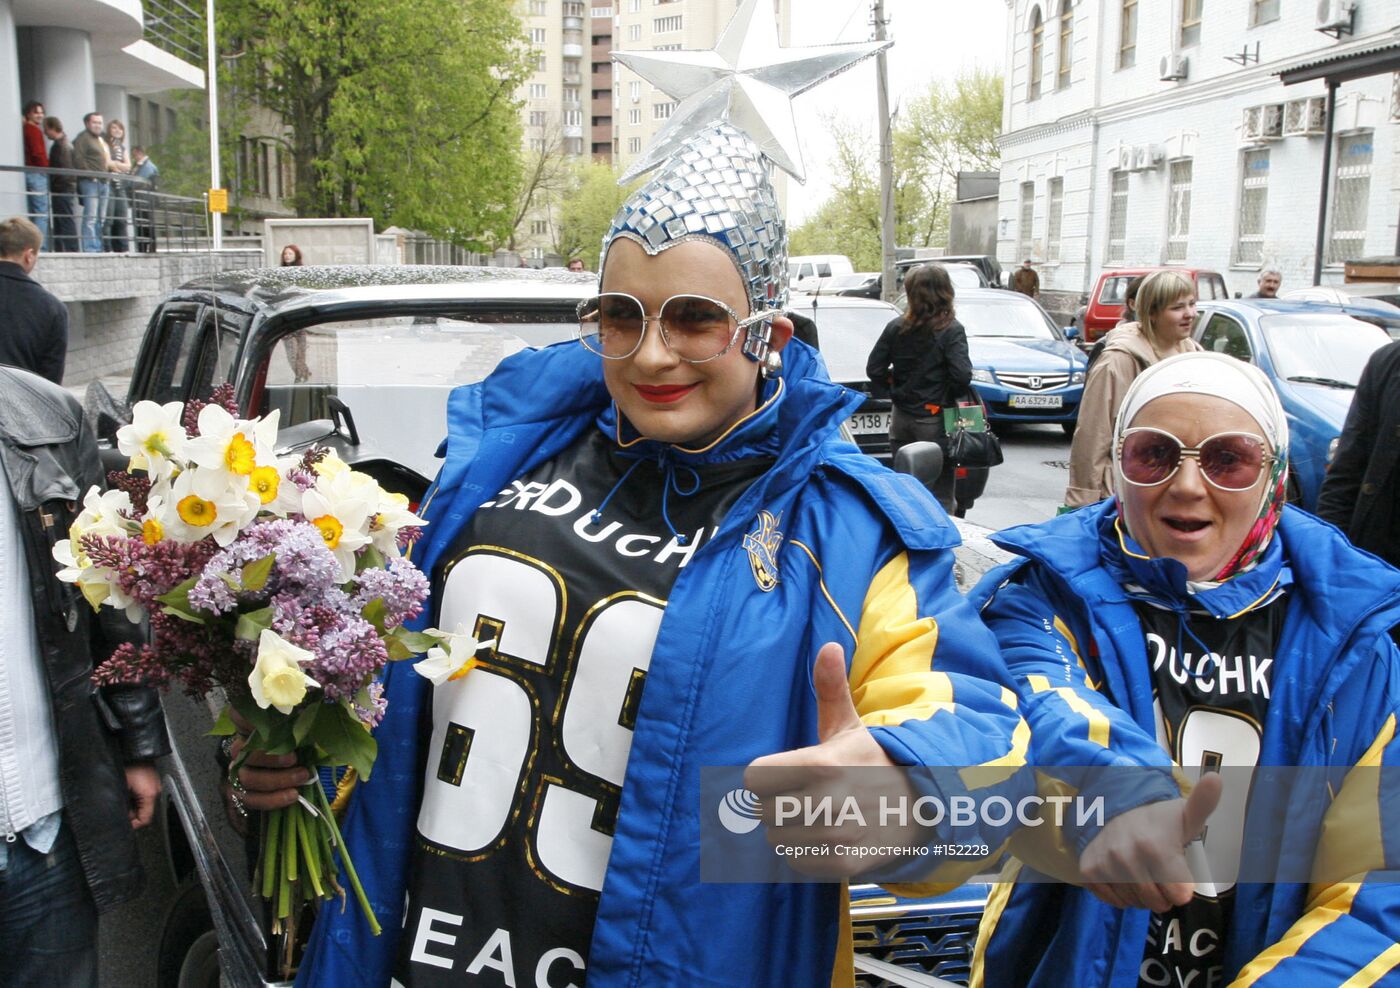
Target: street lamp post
{"points": [[211, 79]]}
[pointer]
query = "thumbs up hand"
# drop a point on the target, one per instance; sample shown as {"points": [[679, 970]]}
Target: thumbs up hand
{"points": [[1138, 860], [846, 763]]}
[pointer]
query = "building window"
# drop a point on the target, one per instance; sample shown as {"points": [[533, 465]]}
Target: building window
{"points": [[537, 35], [1024, 228], [634, 117], [666, 25], [573, 118], [573, 145], [1066, 44], [634, 32], [537, 145], [1127, 35], [538, 8], [662, 111], [1254, 196], [539, 61], [634, 90], [634, 145], [1117, 217], [571, 94], [537, 118], [1055, 194], [1351, 197], [1179, 211], [633, 6], [666, 47], [573, 8], [1037, 53], [539, 227], [539, 90], [1190, 22], [1263, 11]]}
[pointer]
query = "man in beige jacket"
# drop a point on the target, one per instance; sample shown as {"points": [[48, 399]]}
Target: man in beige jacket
{"points": [[1166, 306]]}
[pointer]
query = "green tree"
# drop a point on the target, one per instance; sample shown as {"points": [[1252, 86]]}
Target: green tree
{"points": [[587, 211], [949, 128], [401, 110]]}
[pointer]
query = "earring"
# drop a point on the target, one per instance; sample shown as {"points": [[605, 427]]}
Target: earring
{"points": [[772, 364]]}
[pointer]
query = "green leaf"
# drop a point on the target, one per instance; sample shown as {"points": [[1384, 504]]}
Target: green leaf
{"points": [[177, 602], [369, 558], [255, 574], [252, 624], [375, 612], [305, 720], [418, 642], [224, 726], [345, 740]]}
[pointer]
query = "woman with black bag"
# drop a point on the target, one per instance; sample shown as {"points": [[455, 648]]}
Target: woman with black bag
{"points": [[921, 362]]}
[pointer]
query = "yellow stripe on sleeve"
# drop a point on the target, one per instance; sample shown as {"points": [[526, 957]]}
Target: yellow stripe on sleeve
{"points": [[1381, 965], [1099, 726], [1320, 915], [991, 915], [1352, 836]]}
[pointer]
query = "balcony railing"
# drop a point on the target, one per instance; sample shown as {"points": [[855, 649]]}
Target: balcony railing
{"points": [[176, 27]]}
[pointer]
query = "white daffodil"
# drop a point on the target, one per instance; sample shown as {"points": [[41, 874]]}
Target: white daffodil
{"points": [[230, 444], [453, 659], [105, 513], [277, 679], [391, 516], [154, 438], [207, 502], [342, 513]]}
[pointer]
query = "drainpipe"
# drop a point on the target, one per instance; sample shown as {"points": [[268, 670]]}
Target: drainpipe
{"points": [[1321, 245]]}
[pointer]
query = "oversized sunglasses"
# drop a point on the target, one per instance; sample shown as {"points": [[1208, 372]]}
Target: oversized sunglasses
{"points": [[1231, 461], [694, 327]]}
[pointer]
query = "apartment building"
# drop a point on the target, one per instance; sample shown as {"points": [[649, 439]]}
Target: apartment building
{"points": [[1141, 133]]}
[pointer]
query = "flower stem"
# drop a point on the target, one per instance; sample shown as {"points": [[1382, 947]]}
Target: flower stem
{"points": [[313, 870], [271, 834], [345, 859], [289, 841]]}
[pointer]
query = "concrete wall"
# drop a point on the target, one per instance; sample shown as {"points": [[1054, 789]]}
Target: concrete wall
{"points": [[110, 297]]}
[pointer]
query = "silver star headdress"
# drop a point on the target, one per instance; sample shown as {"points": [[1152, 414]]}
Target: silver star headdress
{"points": [[734, 111]]}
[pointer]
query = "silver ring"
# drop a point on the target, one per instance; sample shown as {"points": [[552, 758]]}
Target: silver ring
{"points": [[236, 783], [237, 801]]}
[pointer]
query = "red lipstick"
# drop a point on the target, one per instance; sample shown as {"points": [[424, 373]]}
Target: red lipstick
{"points": [[664, 394]]}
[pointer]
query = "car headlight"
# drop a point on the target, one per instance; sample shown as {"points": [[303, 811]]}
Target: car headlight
{"points": [[1077, 377], [982, 376], [1332, 449]]}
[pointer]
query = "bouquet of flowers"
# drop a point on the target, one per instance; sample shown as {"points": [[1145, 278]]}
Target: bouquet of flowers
{"points": [[281, 582]]}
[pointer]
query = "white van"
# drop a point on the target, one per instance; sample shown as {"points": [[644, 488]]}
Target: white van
{"points": [[805, 272]]}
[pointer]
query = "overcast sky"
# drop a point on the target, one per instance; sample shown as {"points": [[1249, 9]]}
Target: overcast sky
{"points": [[934, 39]]}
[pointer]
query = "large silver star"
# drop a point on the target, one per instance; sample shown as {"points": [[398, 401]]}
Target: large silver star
{"points": [[747, 79]]}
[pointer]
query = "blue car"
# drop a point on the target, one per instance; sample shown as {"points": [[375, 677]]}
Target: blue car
{"points": [[1023, 366], [1314, 354]]}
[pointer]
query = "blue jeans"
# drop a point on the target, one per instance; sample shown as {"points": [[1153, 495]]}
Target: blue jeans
{"points": [[48, 922], [93, 192], [36, 188]]}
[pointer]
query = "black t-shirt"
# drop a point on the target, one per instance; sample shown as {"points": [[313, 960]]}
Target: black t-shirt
{"points": [[525, 764], [1210, 682]]}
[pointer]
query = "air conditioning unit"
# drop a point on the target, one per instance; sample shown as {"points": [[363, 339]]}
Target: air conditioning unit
{"points": [[1253, 127], [1272, 123], [1304, 117], [1172, 68], [1123, 160], [1335, 15], [1156, 156]]}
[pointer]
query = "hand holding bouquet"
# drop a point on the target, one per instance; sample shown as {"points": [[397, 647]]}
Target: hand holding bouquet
{"points": [[280, 581]]}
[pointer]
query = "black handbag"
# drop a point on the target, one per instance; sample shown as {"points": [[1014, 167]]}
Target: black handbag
{"points": [[971, 442]]}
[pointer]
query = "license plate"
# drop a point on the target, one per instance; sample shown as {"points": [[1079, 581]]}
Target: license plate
{"points": [[1036, 401], [869, 423]]}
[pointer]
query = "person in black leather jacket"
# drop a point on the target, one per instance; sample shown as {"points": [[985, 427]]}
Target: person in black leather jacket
{"points": [[88, 749]]}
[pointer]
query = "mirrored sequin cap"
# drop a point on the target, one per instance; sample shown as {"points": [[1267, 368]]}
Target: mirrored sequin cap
{"points": [[717, 187]]}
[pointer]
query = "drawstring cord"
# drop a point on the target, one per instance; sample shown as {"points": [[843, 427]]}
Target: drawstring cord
{"points": [[667, 465]]}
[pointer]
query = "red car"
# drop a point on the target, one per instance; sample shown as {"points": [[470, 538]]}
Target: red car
{"points": [[1105, 306]]}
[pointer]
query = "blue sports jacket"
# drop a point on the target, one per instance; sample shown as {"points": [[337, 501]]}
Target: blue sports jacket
{"points": [[1062, 618], [862, 557]]}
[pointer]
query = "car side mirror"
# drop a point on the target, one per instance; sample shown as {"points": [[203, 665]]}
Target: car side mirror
{"points": [[1071, 332], [922, 460]]}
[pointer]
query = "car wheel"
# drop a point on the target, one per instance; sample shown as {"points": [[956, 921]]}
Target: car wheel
{"points": [[1069, 428], [189, 947]]}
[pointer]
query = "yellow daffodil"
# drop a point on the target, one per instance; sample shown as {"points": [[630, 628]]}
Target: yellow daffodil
{"points": [[277, 679], [265, 483], [152, 531]]}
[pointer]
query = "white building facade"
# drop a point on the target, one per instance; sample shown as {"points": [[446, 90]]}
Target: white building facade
{"points": [[1140, 133]]}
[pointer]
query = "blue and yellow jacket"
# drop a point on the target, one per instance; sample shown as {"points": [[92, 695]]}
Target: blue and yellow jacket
{"points": [[1075, 646], [862, 556]]}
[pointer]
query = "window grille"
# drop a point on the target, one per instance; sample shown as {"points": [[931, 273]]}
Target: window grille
{"points": [[1179, 211], [1351, 195], [1117, 217], [1054, 213], [1254, 197]]}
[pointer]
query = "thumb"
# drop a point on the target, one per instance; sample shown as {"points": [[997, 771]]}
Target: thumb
{"points": [[836, 711], [1200, 805]]}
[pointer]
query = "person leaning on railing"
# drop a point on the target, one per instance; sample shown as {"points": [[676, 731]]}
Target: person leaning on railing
{"points": [[63, 189], [91, 155]]}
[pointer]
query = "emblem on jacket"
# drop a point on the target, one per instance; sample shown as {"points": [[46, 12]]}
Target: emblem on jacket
{"points": [[762, 545]]}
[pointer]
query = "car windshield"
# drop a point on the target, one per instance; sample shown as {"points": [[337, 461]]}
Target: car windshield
{"points": [[962, 276], [394, 372], [1005, 316], [1315, 348], [847, 281], [848, 333]]}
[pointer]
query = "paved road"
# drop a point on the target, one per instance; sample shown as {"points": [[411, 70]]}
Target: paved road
{"points": [[1030, 485]]}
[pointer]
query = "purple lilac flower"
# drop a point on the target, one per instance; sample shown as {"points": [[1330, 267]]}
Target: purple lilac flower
{"points": [[402, 587], [303, 565], [347, 657], [373, 713]]}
